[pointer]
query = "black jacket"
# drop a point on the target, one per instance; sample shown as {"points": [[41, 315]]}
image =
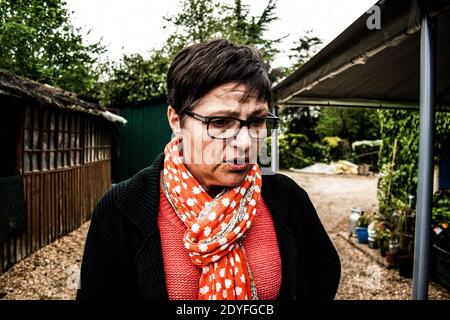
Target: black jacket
{"points": [[123, 254]]}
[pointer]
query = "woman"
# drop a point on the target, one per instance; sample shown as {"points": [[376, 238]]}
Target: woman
{"points": [[203, 222]]}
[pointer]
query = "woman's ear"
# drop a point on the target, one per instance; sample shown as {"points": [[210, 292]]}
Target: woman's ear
{"points": [[174, 120]]}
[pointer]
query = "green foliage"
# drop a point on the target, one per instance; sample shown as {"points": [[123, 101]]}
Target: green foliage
{"points": [[441, 207], [364, 220], [296, 151], [37, 41], [383, 236], [240, 27], [135, 79], [402, 174], [348, 123], [441, 219], [398, 159]]}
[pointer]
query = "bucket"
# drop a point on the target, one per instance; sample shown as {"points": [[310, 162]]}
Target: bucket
{"points": [[362, 234]]}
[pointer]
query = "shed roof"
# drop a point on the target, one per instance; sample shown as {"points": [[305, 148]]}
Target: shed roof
{"points": [[16, 86]]}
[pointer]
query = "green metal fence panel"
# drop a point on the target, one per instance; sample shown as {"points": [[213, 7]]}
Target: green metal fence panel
{"points": [[140, 140]]}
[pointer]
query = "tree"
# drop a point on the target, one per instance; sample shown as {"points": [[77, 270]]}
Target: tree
{"points": [[200, 20], [302, 120], [242, 28], [137, 79], [134, 79], [348, 123], [197, 21], [37, 41], [304, 48]]}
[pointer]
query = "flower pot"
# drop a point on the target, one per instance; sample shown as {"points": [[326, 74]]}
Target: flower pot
{"points": [[391, 259], [362, 234]]}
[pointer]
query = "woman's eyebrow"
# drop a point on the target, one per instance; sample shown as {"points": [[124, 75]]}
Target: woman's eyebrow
{"points": [[224, 113], [235, 114], [259, 112]]}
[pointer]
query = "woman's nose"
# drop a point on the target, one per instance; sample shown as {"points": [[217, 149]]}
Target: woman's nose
{"points": [[242, 140]]}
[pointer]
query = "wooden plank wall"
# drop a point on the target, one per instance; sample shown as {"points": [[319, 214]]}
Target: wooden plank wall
{"points": [[58, 202]]}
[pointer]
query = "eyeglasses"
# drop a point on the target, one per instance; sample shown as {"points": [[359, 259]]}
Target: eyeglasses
{"points": [[229, 127]]}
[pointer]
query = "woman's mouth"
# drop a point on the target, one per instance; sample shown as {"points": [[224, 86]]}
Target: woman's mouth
{"points": [[238, 165]]}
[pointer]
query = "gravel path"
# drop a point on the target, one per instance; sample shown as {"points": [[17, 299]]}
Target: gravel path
{"points": [[52, 272], [362, 278]]}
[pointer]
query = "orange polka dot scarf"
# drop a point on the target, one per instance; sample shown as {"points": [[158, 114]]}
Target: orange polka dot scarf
{"points": [[215, 227]]}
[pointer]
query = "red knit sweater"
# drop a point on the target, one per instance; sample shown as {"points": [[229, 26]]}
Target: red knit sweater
{"points": [[260, 245]]}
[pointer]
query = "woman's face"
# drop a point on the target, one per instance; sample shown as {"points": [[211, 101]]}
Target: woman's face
{"points": [[212, 161]]}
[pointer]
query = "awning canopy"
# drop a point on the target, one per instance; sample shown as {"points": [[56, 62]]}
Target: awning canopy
{"points": [[377, 68]]}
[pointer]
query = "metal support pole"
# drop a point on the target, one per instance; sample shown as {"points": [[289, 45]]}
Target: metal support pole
{"points": [[425, 182], [274, 147]]}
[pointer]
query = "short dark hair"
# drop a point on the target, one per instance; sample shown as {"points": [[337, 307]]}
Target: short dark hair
{"points": [[199, 68]]}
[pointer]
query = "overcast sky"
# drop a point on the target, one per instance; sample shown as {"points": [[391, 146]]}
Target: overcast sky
{"points": [[136, 26]]}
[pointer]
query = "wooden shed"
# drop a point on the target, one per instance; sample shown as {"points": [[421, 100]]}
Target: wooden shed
{"points": [[55, 152]]}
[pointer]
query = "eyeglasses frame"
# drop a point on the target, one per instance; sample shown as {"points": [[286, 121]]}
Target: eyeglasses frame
{"points": [[207, 120]]}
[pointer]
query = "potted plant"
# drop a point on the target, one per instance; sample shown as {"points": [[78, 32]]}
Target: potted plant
{"points": [[405, 255], [385, 227], [382, 237], [361, 228], [392, 252]]}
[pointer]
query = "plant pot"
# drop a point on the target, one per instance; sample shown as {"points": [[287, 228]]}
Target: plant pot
{"points": [[391, 259], [362, 234]]}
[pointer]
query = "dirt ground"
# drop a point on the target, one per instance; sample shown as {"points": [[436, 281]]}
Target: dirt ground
{"points": [[52, 272]]}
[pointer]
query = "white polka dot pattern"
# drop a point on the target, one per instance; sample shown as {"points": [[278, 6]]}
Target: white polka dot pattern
{"points": [[215, 227]]}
